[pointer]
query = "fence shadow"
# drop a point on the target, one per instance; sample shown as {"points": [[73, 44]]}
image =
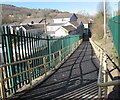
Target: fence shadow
{"points": [[115, 93], [75, 79]]}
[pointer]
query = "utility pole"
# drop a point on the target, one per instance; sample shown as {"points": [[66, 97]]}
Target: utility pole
{"points": [[105, 66], [104, 18], [45, 27]]}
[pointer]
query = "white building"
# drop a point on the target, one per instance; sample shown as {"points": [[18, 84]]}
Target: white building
{"points": [[65, 17], [79, 27], [54, 26], [65, 30]]}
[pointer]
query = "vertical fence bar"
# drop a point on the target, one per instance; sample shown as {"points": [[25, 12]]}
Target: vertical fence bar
{"points": [[8, 50], [105, 74], [99, 89], [44, 61], [27, 48], [16, 58], [20, 58], [32, 54], [39, 53], [2, 86], [30, 76], [23, 53], [62, 46], [99, 93], [60, 56], [54, 60], [5, 60], [49, 48]]}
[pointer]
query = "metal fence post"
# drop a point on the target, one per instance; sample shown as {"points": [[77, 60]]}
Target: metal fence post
{"points": [[62, 45], [44, 61], [49, 48], [99, 90], [99, 93], [30, 76], [105, 74], [2, 85], [9, 54], [60, 56], [54, 59]]}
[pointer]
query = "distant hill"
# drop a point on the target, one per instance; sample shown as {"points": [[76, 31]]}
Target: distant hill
{"points": [[13, 14]]}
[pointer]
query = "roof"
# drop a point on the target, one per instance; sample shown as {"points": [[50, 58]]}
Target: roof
{"points": [[35, 20], [84, 21], [56, 24], [49, 21], [64, 15], [50, 32], [29, 27], [69, 28], [36, 31], [75, 23]]}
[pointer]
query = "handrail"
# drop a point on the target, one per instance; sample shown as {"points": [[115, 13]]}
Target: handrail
{"points": [[99, 82], [108, 57], [30, 68], [115, 82], [45, 63], [14, 63]]}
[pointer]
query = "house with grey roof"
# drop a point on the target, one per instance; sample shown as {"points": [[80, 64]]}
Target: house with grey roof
{"points": [[79, 27], [73, 23], [35, 28], [83, 21], [65, 17], [87, 25], [65, 30], [54, 26], [32, 21]]}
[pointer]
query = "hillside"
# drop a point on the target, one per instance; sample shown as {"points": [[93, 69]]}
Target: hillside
{"points": [[11, 13]]}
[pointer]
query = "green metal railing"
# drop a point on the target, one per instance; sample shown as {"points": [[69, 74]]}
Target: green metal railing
{"points": [[28, 56], [114, 25]]}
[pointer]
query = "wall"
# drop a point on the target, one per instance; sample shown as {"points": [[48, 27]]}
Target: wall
{"points": [[68, 23], [52, 28], [85, 25], [73, 18], [72, 32], [80, 30], [61, 32], [61, 20]]}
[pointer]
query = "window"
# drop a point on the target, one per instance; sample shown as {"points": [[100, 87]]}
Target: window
{"points": [[32, 22]]}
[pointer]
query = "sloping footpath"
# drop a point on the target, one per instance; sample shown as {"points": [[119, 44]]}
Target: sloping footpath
{"points": [[76, 78]]}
